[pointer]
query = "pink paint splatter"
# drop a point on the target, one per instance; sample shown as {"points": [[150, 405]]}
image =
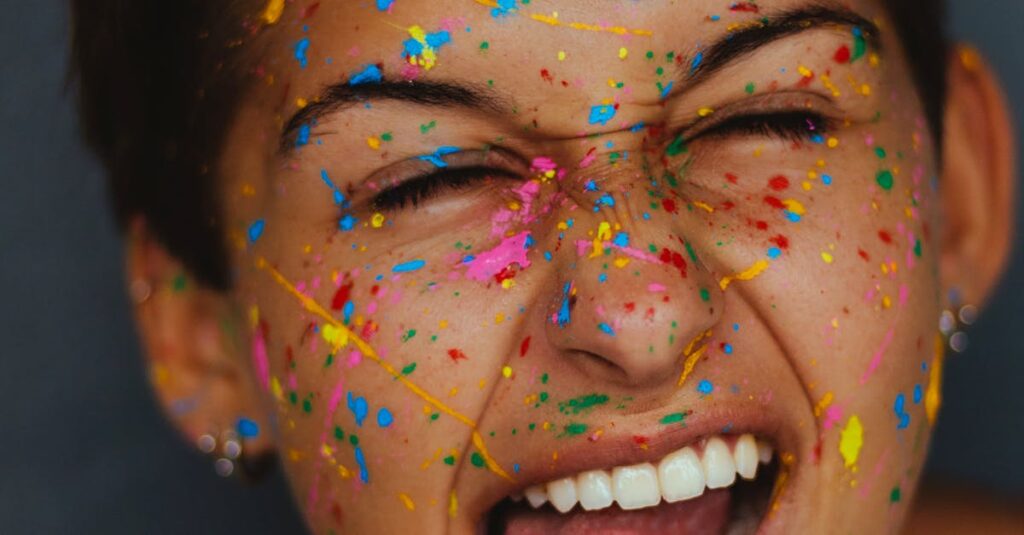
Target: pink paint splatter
{"points": [[489, 263], [259, 357]]}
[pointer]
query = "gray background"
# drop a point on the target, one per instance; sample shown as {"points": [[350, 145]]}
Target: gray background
{"points": [[82, 447]]}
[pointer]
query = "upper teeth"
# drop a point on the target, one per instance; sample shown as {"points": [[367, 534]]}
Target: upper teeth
{"points": [[680, 475]]}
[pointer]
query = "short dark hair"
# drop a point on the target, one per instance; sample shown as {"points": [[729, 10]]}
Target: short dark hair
{"points": [[158, 83]]}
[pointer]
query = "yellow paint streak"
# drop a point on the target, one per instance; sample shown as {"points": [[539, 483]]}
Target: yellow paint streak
{"points": [[786, 461], [823, 404], [692, 356], [553, 20], [933, 395], [407, 501], [453, 505], [851, 438], [272, 12], [703, 206], [367, 350], [745, 275]]}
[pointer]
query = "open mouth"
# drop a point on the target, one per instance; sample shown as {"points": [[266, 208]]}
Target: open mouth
{"points": [[722, 484]]}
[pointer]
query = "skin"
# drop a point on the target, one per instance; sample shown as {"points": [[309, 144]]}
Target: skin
{"points": [[821, 340]]}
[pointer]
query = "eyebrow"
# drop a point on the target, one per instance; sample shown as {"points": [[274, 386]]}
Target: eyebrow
{"points": [[725, 51], [771, 28], [428, 93]]}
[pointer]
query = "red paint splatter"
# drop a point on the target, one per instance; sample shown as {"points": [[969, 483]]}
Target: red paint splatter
{"points": [[817, 451], [778, 183], [675, 259], [781, 241], [309, 10], [885, 236], [524, 347], [640, 440], [341, 296], [728, 205], [733, 179], [649, 313], [670, 206], [863, 254], [745, 7], [630, 307], [546, 76], [842, 55], [774, 202], [761, 225], [457, 355], [507, 272]]}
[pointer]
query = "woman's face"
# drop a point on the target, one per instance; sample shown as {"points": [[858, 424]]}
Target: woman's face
{"points": [[505, 243]]}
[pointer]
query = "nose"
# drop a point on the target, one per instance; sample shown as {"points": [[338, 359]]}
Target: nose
{"points": [[631, 312]]}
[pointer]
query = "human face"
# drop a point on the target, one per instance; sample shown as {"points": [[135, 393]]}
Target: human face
{"points": [[514, 243]]}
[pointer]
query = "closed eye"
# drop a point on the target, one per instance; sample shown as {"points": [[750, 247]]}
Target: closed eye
{"points": [[795, 125], [424, 187]]}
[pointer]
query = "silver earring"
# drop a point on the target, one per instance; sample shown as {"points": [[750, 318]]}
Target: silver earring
{"points": [[955, 320], [225, 447], [140, 291]]}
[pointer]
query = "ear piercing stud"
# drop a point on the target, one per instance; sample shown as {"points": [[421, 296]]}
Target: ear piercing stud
{"points": [[954, 321], [226, 451]]}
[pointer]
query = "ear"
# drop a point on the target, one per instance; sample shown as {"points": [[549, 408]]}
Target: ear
{"points": [[194, 341], [978, 179]]}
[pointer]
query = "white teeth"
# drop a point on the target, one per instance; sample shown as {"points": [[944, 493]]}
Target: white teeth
{"points": [[681, 475], [536, 495], [562, 494], [636, 486], [764, 452], [595, 490], [719, 468], [744, 453]]}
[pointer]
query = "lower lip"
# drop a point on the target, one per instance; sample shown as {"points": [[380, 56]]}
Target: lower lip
{"points": [[707, 514]]}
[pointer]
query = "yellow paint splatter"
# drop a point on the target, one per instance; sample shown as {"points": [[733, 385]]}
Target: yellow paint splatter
{"points": [[453, 505], [272, 11], [745, 275], [933, 395], [407, 501], [553, 20], [692, 355], [851, 438]]}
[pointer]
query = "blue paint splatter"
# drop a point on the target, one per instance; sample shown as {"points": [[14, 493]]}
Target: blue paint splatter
{"points": [[606, 329], [384, 417], [601, 114], [562, 318], [364, 474], [346, 312], [504, 9], [605, 200], [347, 222], [247, 428], [406, 267], [774, 252], [918, 394], [359, 408], [826, 180], [300, 51], [792, 216], [621, 240], [697, 60], [435, 158], [369, 74], [727, 349], [666, 90], [303, 137], [898, 409], [384, 5], [705, 386], [256, 230]]}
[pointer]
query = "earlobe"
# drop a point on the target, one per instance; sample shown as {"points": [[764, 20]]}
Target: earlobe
{"points": [[192, 339], [978, 179]]}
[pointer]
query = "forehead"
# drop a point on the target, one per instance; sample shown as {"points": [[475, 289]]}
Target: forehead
{"points": [[585, 40]]}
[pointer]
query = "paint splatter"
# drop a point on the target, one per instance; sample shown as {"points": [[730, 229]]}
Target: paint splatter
{"points": [[359, 407], [409, 267], [384, 417], [851, 438]]}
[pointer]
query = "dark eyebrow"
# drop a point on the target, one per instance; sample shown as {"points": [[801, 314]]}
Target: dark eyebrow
{"points": [[340, 95], [771, 28]]}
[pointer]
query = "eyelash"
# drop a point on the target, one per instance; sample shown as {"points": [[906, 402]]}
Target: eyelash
{"points": [[786, 125]]}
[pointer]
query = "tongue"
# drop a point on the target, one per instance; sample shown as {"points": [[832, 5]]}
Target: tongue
{"points": [[704, 515]]}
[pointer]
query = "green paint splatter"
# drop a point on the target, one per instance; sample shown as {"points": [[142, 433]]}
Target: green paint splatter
{"points": [[386, 136], [860, 45], [409, 369], [543, 396], [750, 88], [329, 360], [424, 128], [690, 251], [884, 179], [354, 440], [178, 284], [880, 152], [477, 460], [338, 433], [307, 406], [705, 295], [574, 429], [676, 417], [582, 403], [484, 45], [677, 147], [409, 335], [896, 495], [450, 460], [544, 379], [917, 248]]}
